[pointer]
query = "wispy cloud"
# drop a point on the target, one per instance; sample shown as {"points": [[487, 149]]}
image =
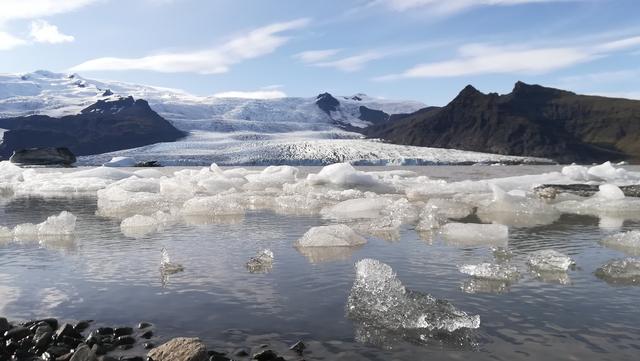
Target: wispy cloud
{"points": [[33, 9], [446, 7], [8, 41], [354, 62], [256, 43], [601, 77], [314, 56], [476, 59], [43, 32]]}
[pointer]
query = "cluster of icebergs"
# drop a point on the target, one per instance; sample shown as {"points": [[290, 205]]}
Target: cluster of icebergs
{"points": [[54, 228]]}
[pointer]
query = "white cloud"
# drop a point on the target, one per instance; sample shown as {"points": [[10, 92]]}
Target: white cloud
{"points": [[445, 7], [8, 41], [476, 59], [314, 56], [32, 9], [258, 94], [43, 32], [352, 63], [256, 43]]}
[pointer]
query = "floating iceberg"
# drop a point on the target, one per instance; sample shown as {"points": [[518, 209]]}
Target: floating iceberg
{"points": [[491, 271], [549, 260], [628, 242], [620, 271], [336, 235], [261, 263], [343, 175], [6, 234], [25, 232], [219, 205], [516, 209], [379, 300], [475, 234], [62, 224], [449, 208], [139, 226]]}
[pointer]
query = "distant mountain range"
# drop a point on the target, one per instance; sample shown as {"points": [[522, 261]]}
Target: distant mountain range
{"points": [[94, 117], [530, 121]]}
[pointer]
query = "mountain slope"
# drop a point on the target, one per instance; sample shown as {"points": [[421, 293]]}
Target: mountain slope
{"points": [[102, 127], [530, 121]]}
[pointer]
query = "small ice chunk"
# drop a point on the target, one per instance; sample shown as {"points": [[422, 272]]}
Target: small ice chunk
{"points": [[272, 176], [450, 208], [491, 271], [342, 174], [166, 266], [430, 219], [6, 234], [620, 271], [120, 162], [378, 299], [336, 235], [607, 172], [628, 242], [609, 191], [62, 224], [474, 233], [549, 260], [25, 232], [261, 263], [139, 226]]}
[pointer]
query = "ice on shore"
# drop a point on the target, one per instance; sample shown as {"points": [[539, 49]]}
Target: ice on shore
{"points": [[336, 235], [475, 233], [491, 271], [549, 260], [628, 242], [120, 162], [261, 263], [620, 271], [379, 300]]}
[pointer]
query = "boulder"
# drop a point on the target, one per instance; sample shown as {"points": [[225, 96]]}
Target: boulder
{"points": [[180, 349], [43, 156]]}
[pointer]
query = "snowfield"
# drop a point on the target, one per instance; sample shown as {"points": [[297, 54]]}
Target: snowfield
{"points": [[234, 131]]}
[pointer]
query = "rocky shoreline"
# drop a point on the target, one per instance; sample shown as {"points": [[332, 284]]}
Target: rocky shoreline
{"points": [[50, 340]]}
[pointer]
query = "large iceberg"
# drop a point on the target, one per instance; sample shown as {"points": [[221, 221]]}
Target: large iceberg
{"points": [[378, 299]]}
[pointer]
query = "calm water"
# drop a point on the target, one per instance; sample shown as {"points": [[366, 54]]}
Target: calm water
{"points": [[102, 275]]}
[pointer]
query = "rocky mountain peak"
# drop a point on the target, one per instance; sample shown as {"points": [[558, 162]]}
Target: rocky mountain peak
{"points": [[327, 102]]}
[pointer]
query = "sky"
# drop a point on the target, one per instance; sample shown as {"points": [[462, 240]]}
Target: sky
{"points": [[425, 50]]}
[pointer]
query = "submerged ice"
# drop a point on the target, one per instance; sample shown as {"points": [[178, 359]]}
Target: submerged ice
{"points": [[620, 271], [378, 299], [549, 260]]}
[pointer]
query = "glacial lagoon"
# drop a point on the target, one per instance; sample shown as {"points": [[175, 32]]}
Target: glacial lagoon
{"points": [[211, 221]]}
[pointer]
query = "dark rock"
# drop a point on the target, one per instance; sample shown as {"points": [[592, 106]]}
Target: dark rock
{"points": [[148, 164], [148, 345], [131, 358], [143, 325], [42, 336], [107, 358], [68, 331], [298, 347], [267, 355], [69, 341], [104, 331], [82, 325], [17, 333], [58, 351], [52, 322], [147, 335], [4, 325], [84, 353], [125, 347], [241, 353], [122, 331], [124, 340], [107, 93], [373, 116], [327, 103], [105, 126], [530, 121], [43, 156]]}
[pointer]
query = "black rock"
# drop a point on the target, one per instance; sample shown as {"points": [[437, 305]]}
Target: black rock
{"points": [[125, 340], [58, 351], [104, 331], [68, 331], [52, 322], [43, 156], [298, 347], [69, 341], [147, 335], [149, 345], [83, 353], [241, 353], [4, 325], [327, 103], [42, 336], [131, 358], [107, 93], [148, 164], [125, 347], [82, 325], [143, 325], [267, 355], [17, 333], [375, 117], [122, 331]]}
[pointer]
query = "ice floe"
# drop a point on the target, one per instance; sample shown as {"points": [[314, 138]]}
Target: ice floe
{"points": [[62, 224], [620, 271], [516, 209], [491, 271], [336, 235], [549, 260], [344, 175], [475, 234], [628, 242], [379, 300], [261, 263]]}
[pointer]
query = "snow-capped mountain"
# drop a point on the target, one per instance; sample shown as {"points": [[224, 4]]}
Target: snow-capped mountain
{"points": [[313, 130]]}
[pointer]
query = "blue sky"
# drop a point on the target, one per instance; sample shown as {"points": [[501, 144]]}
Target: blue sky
{"points": [[424, 50]]}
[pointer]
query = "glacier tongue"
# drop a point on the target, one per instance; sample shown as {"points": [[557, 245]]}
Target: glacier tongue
{"points": [[378, 299]]}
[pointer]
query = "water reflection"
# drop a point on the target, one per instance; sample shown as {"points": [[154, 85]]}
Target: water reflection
{"points": [[326, 254]]}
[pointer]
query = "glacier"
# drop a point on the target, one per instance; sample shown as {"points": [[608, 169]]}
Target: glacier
{"points": [[234, 131]]}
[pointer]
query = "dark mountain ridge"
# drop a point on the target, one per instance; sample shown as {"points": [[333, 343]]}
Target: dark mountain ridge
{"points": [[105, 126], [532, 120]]}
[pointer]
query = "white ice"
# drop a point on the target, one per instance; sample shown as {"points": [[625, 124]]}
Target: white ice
{"points": [[337, 235], [628, 242], [620, 271], [549, 260], [120, 162], [491, 271], [62, 224], [475, 234]]}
